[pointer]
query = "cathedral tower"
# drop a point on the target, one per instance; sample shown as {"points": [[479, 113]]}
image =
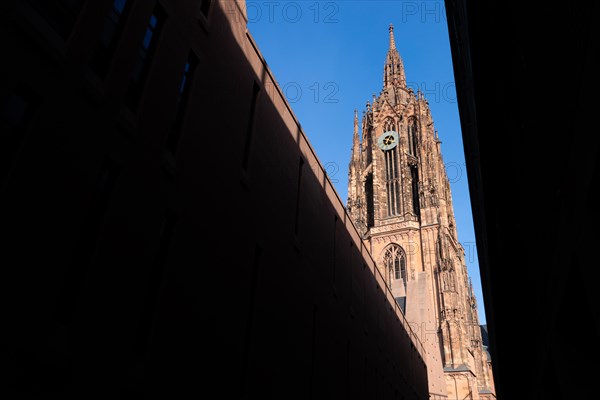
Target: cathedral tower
{"points": [[399, 198]]}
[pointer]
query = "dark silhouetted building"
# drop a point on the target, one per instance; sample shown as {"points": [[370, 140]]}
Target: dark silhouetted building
{"points": [[527, 87]]}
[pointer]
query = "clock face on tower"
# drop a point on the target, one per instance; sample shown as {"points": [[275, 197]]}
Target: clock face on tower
{"points": [[388, 140]]}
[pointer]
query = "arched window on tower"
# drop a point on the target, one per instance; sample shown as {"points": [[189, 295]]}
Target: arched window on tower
{"points": [[413, 146], [392, 173], [370, 203], [412, 137], [394, 260], [368, 148], [415, 191]]}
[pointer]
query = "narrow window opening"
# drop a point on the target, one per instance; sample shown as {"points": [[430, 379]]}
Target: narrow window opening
{"points": [[370, 202], [415, 142], [415, 191], [182, 101], [145, 55], [111, 31], [412, 138], [250, 128]]}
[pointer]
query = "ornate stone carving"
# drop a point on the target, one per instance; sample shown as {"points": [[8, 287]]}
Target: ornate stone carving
{"points": [[412, 160]]}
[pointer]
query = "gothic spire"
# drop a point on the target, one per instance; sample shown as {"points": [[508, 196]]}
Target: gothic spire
{"points": [[393, 72]]}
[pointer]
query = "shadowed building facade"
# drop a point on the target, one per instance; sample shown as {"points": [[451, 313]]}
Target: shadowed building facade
{"points": [[399, 198], [168, 229]]}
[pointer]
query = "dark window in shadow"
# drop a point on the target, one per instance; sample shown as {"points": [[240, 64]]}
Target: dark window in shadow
{"points": [[250, 128], [182, 100], [109, 38], [145, 55]]}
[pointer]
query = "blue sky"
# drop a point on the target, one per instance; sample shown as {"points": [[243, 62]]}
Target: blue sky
{"points": [[328, 56]]}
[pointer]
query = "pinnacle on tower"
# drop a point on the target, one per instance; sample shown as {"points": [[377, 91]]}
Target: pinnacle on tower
{"points": [[355, 139], [393, 72], [392, 41]]}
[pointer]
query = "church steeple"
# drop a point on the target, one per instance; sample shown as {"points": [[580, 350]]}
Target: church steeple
{"points": [[399, 199], [393, 72]]}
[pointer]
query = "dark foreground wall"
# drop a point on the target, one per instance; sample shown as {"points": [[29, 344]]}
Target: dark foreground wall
{"points": [[165, 235], [527, 83]]}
